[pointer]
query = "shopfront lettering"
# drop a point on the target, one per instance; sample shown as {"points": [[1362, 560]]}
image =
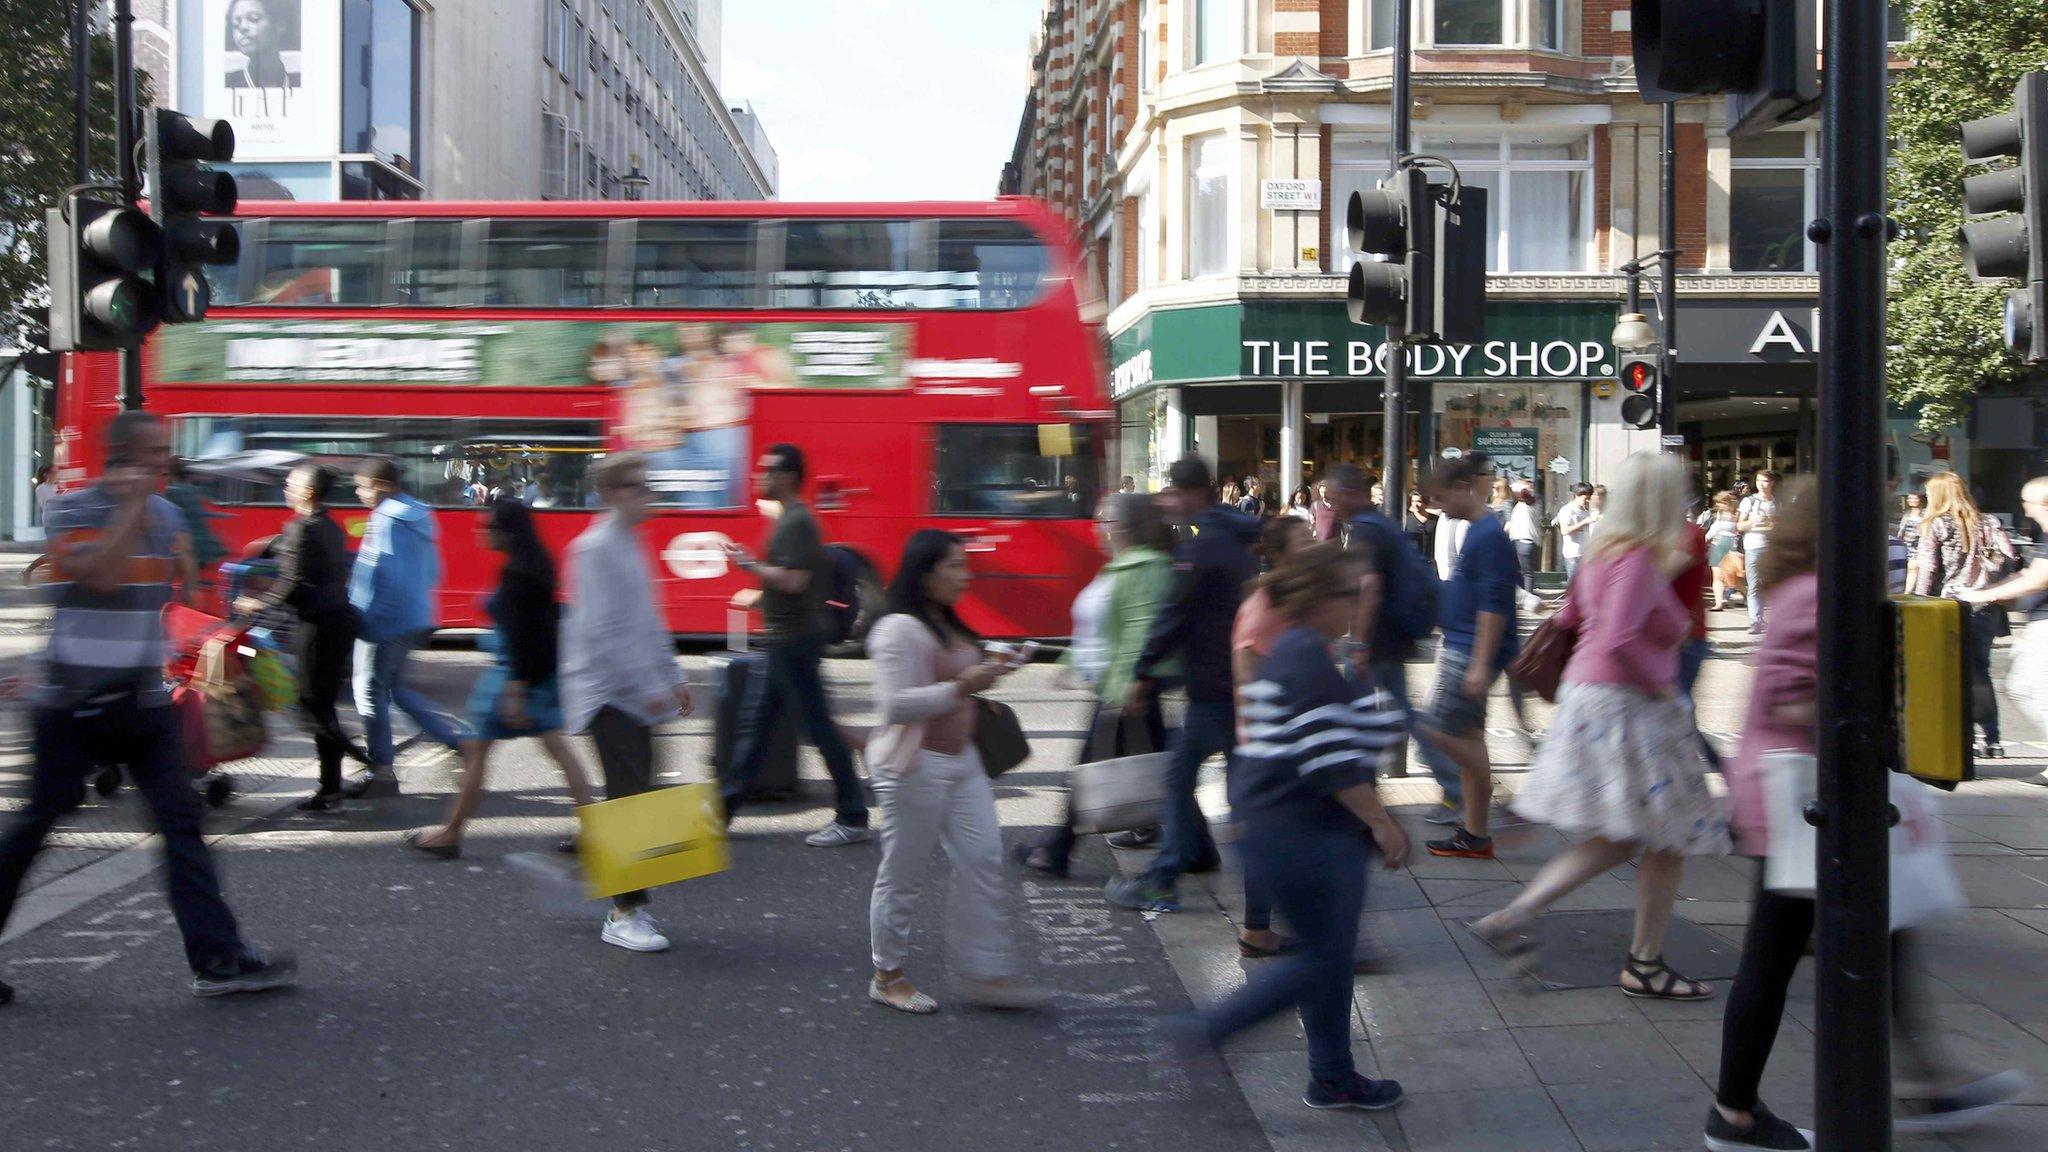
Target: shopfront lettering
{"points": [[1131, 375], [1778, 332], [1519, 359]]}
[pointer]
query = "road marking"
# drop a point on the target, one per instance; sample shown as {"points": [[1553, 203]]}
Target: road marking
{"points": [[1075, 930], [90, 963]]}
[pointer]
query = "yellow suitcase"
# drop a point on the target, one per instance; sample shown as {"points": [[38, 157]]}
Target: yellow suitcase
{"points": [[655, 838]]}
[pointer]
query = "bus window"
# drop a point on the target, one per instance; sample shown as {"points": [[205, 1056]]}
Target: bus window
{"points": [[318, 263], [446, 463], [432, 276], [989, 263], [544, 264], [693, 264], [1022, 470], [847, 264]]}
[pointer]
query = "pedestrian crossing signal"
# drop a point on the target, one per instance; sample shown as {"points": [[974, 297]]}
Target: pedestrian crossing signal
{"points": [[1638, 374]]}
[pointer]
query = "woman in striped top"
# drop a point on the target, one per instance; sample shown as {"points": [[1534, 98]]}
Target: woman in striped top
{"points": [[1302, 784]]}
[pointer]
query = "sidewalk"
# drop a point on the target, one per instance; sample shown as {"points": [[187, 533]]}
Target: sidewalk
{"points": [[1492, 1062]]}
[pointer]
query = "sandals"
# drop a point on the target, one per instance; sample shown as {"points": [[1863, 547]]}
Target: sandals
{"points": [[1518, 950], [1287, 946], [917, 1003], [417, 841], [1659, 982]]}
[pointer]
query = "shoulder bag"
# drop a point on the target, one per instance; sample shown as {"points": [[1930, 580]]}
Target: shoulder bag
{"points": [[998, 736], [1540, 665]]}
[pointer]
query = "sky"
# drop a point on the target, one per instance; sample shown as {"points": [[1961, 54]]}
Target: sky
{"points": [[883, 99]]}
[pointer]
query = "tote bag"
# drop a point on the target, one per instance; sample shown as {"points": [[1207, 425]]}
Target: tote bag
{"points": [[1923, 881], [651, 838]]}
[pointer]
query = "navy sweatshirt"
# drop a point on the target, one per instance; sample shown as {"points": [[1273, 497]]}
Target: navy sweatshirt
{"points": [[1212, 564], [1308, 736]]}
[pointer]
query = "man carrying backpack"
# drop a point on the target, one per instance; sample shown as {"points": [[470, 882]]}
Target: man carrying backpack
{"points": [[1397, 610], [795, 578]]}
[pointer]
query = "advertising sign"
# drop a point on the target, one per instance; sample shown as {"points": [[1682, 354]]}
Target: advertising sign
{"points": [[1513, 450], [683, 392], [272, 67]]}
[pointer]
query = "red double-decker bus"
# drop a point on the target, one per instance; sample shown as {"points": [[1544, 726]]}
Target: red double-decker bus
{"points": [[930, 359]]}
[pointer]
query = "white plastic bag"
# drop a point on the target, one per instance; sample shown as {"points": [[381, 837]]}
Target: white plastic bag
{"points": [[1923, 881]]}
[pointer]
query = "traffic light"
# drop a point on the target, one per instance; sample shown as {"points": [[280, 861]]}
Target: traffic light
{"points": [[99, 251], [1433, 278], [2012, 243], [1638, 375], [1759, 52], [182, 192]]}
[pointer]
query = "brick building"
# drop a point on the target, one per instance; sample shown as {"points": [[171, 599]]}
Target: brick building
{"points": [[1205, 150]]}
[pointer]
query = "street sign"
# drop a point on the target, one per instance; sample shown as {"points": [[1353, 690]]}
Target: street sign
{"points": [[1291, 195], [1674, 440], [185, 294]]}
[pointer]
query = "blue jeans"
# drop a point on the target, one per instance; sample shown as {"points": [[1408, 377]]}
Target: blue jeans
{"points": [[1317, 877], [1691, 655], [793, 680], [380, 686], [1390, 677], [1184, 842], [70, 746]]}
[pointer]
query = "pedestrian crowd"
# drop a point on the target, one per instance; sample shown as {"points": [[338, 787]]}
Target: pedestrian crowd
{"points": [[1288, 635]]}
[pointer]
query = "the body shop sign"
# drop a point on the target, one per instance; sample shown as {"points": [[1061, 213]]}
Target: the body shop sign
{"points": [[1493, 360]]}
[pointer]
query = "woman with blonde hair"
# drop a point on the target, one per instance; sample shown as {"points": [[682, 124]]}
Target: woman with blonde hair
{"points": [[1622, 770], [1963, 550]]}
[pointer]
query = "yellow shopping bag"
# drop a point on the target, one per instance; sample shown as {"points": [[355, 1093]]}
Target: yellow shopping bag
{"points": [[655, 838]]}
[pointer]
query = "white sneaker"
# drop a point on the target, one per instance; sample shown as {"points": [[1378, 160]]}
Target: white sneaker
{"points": [[635, 933], [837, 835]]}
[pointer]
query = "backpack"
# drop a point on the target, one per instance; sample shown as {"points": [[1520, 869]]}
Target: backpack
{"points": [[843, 598], [1408, 581]]}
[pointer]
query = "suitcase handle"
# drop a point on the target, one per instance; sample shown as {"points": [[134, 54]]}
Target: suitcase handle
{"points": [[736, 629]]}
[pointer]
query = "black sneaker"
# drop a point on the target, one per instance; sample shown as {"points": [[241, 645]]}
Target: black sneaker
{"points": [[1960, 1108], [1356, 1093], [1140, 895], [1463, 845], [323, 802], [1042, 860], [1765, 1131], [254, 973], [1134, 839]]}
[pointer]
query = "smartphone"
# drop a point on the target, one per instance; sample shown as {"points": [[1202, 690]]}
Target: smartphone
{"points": [[1025, 654]]}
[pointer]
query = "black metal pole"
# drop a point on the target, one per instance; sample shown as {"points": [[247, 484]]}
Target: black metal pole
{"points": [[81, 92], [124, 146], [1667, 291], [1394, 397], [1853, 973]]}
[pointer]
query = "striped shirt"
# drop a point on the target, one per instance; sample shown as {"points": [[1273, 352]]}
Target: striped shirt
{"points": [[1308, 736], [104, 642]]}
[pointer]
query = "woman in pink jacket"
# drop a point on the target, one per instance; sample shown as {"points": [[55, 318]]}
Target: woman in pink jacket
{"points": [[1781, 719], [1622, 770]]}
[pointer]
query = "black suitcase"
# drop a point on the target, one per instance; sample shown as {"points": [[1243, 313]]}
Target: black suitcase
{"points": [[737, 673]]}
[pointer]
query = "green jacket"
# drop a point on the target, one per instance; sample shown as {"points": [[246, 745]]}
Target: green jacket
{"points": [[1144, 581]]}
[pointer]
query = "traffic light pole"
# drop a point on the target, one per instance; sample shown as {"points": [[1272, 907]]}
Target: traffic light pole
{"points": [[1853, 973], [1394, 398], [125, 123], [1667, 291], [81, 92]]}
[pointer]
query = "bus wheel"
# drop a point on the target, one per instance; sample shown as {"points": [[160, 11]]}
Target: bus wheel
{"points": [[873, 606]]}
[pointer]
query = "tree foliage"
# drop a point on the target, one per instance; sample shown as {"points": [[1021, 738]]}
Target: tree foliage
{"points": [[36, 133], [1946, 331]]}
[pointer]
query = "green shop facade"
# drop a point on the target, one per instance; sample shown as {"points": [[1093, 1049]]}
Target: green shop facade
{"points": [[1285, 388]]}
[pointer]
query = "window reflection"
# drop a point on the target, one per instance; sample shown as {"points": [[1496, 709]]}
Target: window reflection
{"points": [[1043, 471]]}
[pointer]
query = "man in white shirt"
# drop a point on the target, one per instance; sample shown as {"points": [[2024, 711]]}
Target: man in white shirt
{"points": [[1574, 523], [1754, 519], [620, 676]]}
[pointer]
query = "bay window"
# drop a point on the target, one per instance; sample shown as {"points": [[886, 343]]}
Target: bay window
{"points": [[1469, 23], [1208, 210], [1210, 31], [1539, 205]]}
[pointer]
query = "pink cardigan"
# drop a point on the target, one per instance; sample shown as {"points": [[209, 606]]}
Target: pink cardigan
{"points": [[1630, 624], [1786, 672]]}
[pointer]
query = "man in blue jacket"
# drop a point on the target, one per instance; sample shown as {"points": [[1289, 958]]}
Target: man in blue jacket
{"points": [[393, 587], [1212, 564]]}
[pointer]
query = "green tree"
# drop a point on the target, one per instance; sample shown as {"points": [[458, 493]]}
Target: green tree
{"points": [[36, 133], [1946, 331]]}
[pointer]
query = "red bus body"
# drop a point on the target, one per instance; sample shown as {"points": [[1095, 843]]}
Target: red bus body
{"points": [[872, 454]]}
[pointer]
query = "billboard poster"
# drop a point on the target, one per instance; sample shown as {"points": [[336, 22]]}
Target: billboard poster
{"points": [[270, 66], [1513, 450], [683, 392]]}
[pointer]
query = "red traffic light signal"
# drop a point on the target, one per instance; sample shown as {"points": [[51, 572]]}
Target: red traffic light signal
{"points": [[1639, 375]]}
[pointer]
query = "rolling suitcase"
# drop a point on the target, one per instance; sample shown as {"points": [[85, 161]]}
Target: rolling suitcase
{"points": [[736, 672]]}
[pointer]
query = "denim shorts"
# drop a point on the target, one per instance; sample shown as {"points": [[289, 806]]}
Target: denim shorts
{"points": [[1450, 711]]}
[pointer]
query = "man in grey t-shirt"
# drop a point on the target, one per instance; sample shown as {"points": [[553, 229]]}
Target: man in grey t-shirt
{"points": [[794, 580]]}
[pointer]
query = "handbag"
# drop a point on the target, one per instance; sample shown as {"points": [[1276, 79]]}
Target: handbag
{"points": [[1126, 792], [1923, 880], [651, 838], [998, 736], [1540, 665]]}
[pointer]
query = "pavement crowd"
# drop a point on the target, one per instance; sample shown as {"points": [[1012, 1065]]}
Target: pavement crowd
{"points": [[442, 1006]]}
